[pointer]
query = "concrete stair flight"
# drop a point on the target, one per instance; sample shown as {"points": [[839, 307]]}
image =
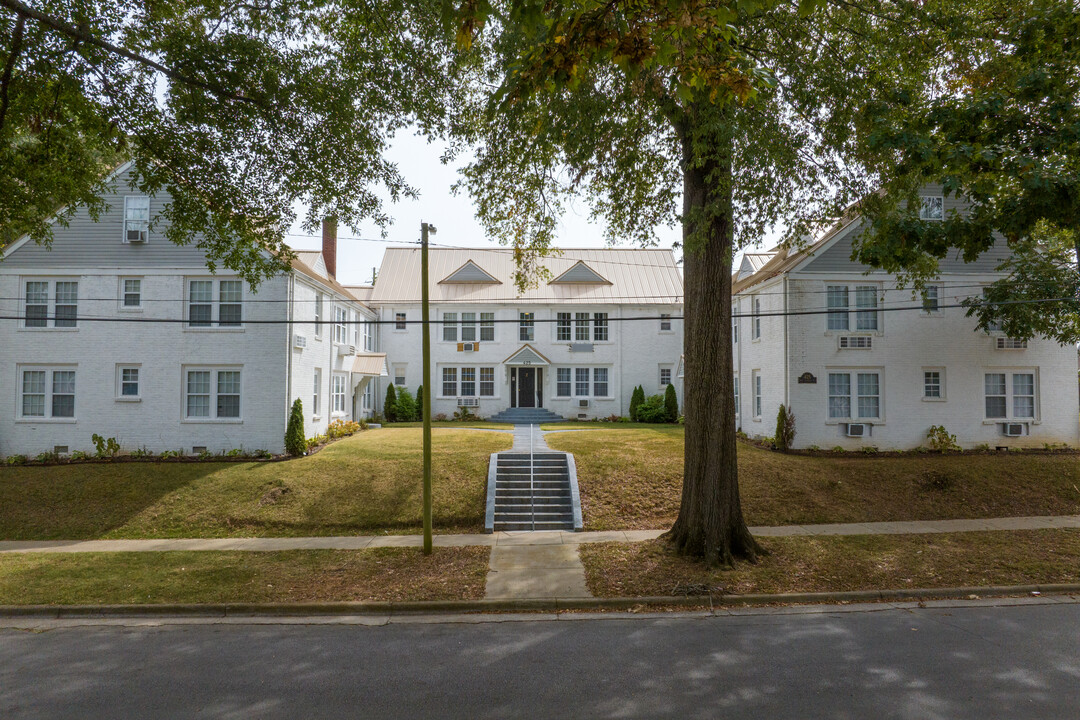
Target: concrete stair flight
{"points": [[526, 416], [532, 491]]}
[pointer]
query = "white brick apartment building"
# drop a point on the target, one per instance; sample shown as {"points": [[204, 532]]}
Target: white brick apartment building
{"points": [[600, 323], [126, 335], [857, 373]]}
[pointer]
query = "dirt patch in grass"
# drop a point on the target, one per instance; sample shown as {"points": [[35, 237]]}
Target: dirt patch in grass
{"points": [[248, 577], [369, 483], [857, 562], [632, 479]]}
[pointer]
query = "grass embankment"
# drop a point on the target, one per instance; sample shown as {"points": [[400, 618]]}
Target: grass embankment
{"points": [[838, 563], [632, 479], [369, 483], [243, 577]]}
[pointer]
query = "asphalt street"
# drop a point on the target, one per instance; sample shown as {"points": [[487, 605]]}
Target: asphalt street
{"points": [[987, 661]]}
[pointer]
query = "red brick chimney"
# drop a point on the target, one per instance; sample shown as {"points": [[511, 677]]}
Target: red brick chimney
{"points": [[329, 245]]}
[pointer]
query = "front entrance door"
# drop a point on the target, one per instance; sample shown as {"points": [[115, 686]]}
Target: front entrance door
{"points": [[526, 387]]}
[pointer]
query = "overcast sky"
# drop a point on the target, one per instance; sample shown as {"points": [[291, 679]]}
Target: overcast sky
{"points": [[453, 216]]}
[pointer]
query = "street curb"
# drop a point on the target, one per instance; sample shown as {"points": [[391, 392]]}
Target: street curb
{"points": [[530, 605]]}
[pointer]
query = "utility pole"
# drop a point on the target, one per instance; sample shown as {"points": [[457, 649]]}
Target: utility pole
{"points": [[425, 313]]}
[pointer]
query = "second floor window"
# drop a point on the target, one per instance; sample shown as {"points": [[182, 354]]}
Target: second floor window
{"points": [[399, 321], [526, 327], [756, 320], [600, 327], [215, 301], [932, 208], [132, 296], [866, 307], [581, 327], [341, 325], [665, 322], [562, 327], [64, 304]]}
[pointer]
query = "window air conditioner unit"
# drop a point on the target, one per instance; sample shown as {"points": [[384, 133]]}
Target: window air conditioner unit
{"points": [[468, 402], [299, 341], [1013, 429], [136, 236], [582, 403], [1008, 343], [468, 347], [856, 430], [352, 349], [856, 342]]}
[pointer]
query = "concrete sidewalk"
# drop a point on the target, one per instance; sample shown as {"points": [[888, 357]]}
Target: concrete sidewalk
{"points": [[503, 539]]}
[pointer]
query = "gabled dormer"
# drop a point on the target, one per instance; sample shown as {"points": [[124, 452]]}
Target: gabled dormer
{"points": [[470, 274], [580, 274]]}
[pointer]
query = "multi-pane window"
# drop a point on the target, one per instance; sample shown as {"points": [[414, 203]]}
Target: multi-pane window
{"points": [[581, 327], [47, 393], [399, 321], [665, 377], [368, 396], [316, 393], [562, 382], [999, 386], [757, 394], [369, 337], [318, 314], [487, 327], [600, 327], [562, 327], [866, 307], [468, 382], [449, 328], [756, 320], [131, 295], [866, 400], [136, 218], [526, 327], [665, 322], [65, 305], [933, 385], [487, 382], [337, 393], [129, 382], [600, 382], [341, 325], [735, 384], [930, 299], [581, 382], [734, 324], [449, 382], [399, 374], [468, 327], [932, 208], [212, 394], [201, 302]]}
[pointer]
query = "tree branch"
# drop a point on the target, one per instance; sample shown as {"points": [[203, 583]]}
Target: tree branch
{"points": [[77, 33], [9, 67]]}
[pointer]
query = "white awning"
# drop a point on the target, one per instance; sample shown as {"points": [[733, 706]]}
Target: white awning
{"points": [[373, 364]]}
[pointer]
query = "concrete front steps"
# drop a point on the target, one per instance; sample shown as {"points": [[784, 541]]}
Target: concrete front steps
{"points": [[533, 491], [526, 416]]}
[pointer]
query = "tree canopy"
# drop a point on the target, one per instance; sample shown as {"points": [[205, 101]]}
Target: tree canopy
{"points": [[240, 110]]}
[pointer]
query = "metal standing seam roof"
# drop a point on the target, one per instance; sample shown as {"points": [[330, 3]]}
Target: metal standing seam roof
{"points": [[632, 275]]}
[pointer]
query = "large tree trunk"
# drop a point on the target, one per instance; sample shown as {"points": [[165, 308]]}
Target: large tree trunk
{"points": [[710, 523]]}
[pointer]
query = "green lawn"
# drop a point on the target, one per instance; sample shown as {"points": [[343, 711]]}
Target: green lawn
{"points": [[369, 483], [632, 479], [837, 563], [479, 424], [243, 577], [591, 425]]}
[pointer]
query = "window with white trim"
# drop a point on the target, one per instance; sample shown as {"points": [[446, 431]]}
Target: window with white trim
{"points": [[449, 328], [341, 325], [934, 384], [215, 301], [47, 393], [400, 321], [756, 320], [735, 384], [136, 218], [487, 327], [468, 386], [734, 324], [932, 207], [468, 327], [665, 322], [368, 396], [369, 336], [526, 326], [449, 382], [127, 382], [1010, 395], [866, 310], [562, 382], [338, 393], [487, 382], [468, 382], [318, 315], [600, 382], [600, 327], [562, 327], [581, 382], [854, 395], [399, 374], [665, 377], [64, 308], [316, 393], [931, 299], [581, 327], [130, 293], [212, 393], [756, 378]]}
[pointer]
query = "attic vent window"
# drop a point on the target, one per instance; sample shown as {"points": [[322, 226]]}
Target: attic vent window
{"points": [[136, 218], [580, 274], [470, 274]]}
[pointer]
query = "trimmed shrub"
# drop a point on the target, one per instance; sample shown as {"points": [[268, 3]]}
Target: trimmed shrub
{"points": [[405, 406], [652, 410], [420, 403], [785, 427], [671, 403], [636, 398], [390, 404], [295, 442]]}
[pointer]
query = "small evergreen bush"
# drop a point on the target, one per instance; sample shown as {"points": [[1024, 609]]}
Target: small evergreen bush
{"points": [[671, 403], [420, 403], [636, 399], [390, 404], [652, 410], [785, 427], [405, 406], [295, 443]]}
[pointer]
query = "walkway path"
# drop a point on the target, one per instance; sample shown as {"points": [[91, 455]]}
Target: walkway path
{"points": [[505, 539]]}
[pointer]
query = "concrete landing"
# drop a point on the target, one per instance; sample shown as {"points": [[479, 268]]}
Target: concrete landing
{"points": [[519, 572]]}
